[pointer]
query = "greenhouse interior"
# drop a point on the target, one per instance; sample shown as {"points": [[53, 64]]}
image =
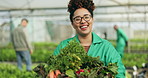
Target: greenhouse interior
{"points": [[49, 24]]}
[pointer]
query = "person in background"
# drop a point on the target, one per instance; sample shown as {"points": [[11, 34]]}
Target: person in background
{"points": [[22, 45], [121, 41], [81, 17]]}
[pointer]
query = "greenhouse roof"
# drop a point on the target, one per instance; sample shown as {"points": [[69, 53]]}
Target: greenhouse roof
{"points": [[10, 5], [106, 10]]}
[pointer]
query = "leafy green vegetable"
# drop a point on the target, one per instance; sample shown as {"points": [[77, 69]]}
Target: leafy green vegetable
{"points": [[74, 62], [70, 73]]}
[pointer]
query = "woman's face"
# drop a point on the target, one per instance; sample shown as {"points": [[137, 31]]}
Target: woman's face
{"points": [[82, 21]]}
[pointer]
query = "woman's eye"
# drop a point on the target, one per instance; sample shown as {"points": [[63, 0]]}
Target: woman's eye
{"points": [[86, 17], [77, 19]]}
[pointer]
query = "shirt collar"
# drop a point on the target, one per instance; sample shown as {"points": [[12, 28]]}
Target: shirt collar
{"points": [[96, 38]]}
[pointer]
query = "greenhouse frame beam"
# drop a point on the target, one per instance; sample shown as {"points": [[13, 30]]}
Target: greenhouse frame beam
{"points": [[101, 6], [34, 15], [38, 15]]}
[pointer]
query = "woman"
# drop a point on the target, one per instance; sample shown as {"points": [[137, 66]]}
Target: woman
{"points": [[81, 16]]}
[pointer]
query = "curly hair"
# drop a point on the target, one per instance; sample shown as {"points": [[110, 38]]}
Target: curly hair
{"points": [[76, 4]]}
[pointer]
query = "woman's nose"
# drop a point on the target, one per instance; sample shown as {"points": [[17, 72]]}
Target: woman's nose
{"points": [[82, 20]]}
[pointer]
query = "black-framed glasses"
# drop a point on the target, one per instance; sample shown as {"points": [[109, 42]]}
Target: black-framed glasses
{"points": [[78, 19]]}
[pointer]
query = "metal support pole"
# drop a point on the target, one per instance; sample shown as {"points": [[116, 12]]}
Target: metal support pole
{"points": [[145, 20], [129, 23]]}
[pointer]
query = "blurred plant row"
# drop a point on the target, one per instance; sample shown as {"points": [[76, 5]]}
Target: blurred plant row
{"points": [[11, 71], [43, 50], [136, 45]]}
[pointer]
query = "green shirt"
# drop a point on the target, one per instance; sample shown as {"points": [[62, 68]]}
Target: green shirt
{"points": [[101, 48], [121, 39]]}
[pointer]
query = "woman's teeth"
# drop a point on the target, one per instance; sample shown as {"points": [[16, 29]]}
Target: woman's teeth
{"points": [[83, 26]]}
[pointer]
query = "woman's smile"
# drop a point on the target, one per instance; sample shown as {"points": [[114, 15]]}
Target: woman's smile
{"points": [[84, 27]]}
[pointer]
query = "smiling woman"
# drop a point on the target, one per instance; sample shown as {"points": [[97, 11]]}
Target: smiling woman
{"points": [[81, 16]]}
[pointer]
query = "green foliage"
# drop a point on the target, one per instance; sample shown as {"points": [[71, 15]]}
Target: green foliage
{"points": [[70, 57], [135, 45], [11, 71], [137, 40], [131, 59], [74, 62], [43, 50], [40, 70], [7, 55], [70, 73]]}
